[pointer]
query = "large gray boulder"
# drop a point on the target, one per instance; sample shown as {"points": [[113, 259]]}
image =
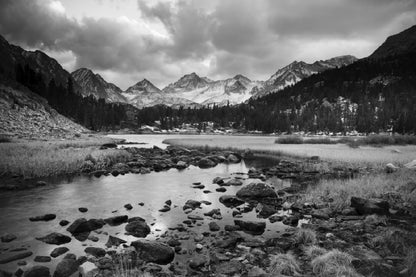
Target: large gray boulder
{"points": [[256, 191], [81, 225], [252, 227], [370, 206], [138, 229], [37, 271], [66, 267], [154, 252]]}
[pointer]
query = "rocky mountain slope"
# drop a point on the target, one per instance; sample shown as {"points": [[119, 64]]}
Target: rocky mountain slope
{"points": [[95, 85], [25, 114], [296, 71], [34, 76], [398, 44]]}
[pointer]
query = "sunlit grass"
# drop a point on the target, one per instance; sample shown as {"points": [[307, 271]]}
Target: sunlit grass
{"points": [[47, 158], [363, 156], [338, 192]]}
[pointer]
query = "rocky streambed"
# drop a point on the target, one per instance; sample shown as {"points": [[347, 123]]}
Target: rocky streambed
{"points": [[183, 212]]}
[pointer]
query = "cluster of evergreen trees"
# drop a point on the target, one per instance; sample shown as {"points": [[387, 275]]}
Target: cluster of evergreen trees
{"points": [[367, 96], [87, 111]]}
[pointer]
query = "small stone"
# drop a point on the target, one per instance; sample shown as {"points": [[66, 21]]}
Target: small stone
{"points": [[128, 206], [63, 222], [83, 209], [213, 226], [59, 251], [42, 259]]}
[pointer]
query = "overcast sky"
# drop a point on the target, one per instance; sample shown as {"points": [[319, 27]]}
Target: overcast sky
{"points": [[128, 40]]}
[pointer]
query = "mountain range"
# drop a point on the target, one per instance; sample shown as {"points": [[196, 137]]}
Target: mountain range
{"points": [[192, 90], [371, 94]]}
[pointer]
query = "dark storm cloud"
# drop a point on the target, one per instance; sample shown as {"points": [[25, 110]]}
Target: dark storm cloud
{"points": [[326, 18], [30, 23], [214, 38]]}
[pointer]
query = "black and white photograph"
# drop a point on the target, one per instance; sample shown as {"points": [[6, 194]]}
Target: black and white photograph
{"points": [[241, 138]]}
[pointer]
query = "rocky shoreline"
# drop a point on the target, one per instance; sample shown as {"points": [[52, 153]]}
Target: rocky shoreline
{"points": [[370, 237]]}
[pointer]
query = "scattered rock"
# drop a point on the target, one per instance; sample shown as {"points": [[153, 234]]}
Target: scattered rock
{"points": [[153, 252], [256, 191], [82, 225], [233, 158], [390, 168], [231, 201], [116, 220], [411, 165], [128, 206], [66, 267], [42, 259], [197, 262], [114, 241], [59, 251], [255, 228], [234, 182], [192, 204], [95, 251], [46, 217], [8, 238], [63, 222], [37, 271], [108, 145], [370, 206], [83, 209], [15, 256], [137, 229], [55, 238], [206, 163], [221, 189], [213, 226]]}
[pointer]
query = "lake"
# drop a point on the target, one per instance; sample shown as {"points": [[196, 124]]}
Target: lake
{"points": [[105, 197]]}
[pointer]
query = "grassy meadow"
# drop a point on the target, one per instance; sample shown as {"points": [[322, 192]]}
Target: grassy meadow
{"points": [[31, 159], [360, 156]]}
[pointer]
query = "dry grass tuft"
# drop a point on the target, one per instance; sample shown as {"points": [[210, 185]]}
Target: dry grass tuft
{"points": [[284, 264], [314, 251], [411, 262], [396, 241], [333, 264], [305, 237], [125, 267]]}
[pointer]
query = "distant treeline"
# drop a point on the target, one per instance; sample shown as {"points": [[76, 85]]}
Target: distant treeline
{"points": [[87, 111], [367, 96]]}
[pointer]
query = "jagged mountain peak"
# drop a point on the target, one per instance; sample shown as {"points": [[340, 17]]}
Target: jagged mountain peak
{"points": [[401, 43], [242, 78], [94, 84], [142, 87], [187, 82]]}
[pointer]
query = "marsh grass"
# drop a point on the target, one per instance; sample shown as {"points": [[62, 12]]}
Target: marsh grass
{"points": [[373, 140], [314, 251], [32, 159], [411, 262], [305, 237], [333, 263], [284, 264], [396, 241], [338, 192]]}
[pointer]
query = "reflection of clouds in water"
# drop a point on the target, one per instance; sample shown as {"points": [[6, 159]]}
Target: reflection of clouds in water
{"points": [[106, 194]]}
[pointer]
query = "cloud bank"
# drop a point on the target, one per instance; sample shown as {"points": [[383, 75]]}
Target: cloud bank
{"points": [[164, 40]]}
